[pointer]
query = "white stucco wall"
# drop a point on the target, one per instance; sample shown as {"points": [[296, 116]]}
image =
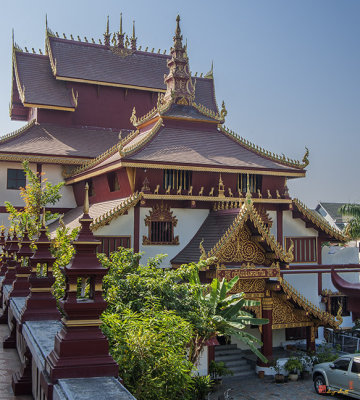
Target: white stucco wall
{"points": [[53, 173], [121, 226], [202, 366], [306, 284], [335, 255], [273, 229], [295, 227], [11, 195], [189, 222]]}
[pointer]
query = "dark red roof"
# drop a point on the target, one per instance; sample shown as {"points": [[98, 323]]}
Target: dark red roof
{"points": [[205, 147], [210, 232], [94, 62], [55, 140], [41, 87]]}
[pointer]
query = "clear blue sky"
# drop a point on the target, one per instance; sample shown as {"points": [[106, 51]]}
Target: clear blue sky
{"points": [[288, 70]]}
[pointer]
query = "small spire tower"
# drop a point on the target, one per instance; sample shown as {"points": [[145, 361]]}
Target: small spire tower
{"points": [[179, 87]]}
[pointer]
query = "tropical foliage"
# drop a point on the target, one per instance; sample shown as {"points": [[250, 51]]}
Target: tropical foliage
{"points": [[167, 315], [352, 229], [37, 194]]}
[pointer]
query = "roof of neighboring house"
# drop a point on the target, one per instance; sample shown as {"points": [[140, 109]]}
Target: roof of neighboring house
{"points": [[36, 82], [58, 141], [333, 210]]}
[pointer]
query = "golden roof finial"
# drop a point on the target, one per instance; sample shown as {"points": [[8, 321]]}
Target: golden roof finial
{"points": [[107, 25], [223, 112], [305, 159], [210, 74], [133, 38], [178, 30], [86, 201], [107, 33], [203, 255], [133, 32], [121, 28]]}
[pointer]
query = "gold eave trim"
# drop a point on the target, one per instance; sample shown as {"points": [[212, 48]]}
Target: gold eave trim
{"points": [[102, 83], [33, 105], [191, 119], [181, 168], [212, 198], [43, 159]]}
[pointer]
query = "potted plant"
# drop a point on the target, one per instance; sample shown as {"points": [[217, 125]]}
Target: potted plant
{"points": [[217, 370], [293, 366], [279, 377]]}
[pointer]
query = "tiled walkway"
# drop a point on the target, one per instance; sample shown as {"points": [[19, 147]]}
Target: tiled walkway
{"points": [[9, 363], [265, 389]]}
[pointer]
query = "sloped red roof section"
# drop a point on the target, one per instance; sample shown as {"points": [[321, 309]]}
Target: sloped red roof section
{"points": [[203, 147], [41, 87], [55, 140]]}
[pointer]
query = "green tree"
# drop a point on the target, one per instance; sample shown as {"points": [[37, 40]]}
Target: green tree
{"points": [[147, 304], [352, 229], [227, 313], [37, 194]]}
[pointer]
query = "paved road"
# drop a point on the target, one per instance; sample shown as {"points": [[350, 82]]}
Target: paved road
{"points": [[9, 363], [254, 388]]}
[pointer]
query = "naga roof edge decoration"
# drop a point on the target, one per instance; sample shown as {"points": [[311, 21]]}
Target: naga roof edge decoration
{"points": [[303, 302], [116, 211], [18, 132], [265, 153], [248, 211], [319, 221]]}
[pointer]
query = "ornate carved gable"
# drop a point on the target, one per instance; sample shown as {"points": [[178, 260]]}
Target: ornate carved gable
{"points": [[242, 248]]}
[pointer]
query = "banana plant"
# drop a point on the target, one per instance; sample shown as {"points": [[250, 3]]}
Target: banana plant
{"points": [[227, 311]]}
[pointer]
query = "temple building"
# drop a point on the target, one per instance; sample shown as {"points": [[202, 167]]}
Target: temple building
{"points": [[166, 176]]}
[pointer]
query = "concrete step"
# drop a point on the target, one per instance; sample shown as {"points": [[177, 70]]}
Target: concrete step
{"points": [[235, 363], [228, 351], [225, 347], [248, 373], [227, 357]]}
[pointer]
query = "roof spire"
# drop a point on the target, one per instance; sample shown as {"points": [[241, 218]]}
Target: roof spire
{"points": [[107, 34], [133, 38], [120, 35], [180, 88]]}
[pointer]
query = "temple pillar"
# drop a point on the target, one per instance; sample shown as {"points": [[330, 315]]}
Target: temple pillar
{"points": [[310, 338], [266, 332]]}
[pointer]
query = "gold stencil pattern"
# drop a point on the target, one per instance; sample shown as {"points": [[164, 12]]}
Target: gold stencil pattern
{"points": [[241, 248]]}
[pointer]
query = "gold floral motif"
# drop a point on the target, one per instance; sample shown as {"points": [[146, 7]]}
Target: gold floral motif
{"points": [[241, 249], [248, 285], [284, 312]]}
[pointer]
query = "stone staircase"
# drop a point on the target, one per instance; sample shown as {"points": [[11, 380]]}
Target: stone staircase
{"points": [[232, 357]]}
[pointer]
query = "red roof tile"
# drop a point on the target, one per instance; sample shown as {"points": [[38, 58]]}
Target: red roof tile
{"points": [[55, 140], [41, 87], [208, 147]]}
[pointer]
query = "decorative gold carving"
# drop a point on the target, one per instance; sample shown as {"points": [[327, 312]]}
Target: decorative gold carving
{"points": [[267, 303], [284, 312], [229, 247], [122, 52], [160, 213], [265, 216], [202, 250], [257, 149], [120, 209], [221, 187], [241, 248], [302, 301]]}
